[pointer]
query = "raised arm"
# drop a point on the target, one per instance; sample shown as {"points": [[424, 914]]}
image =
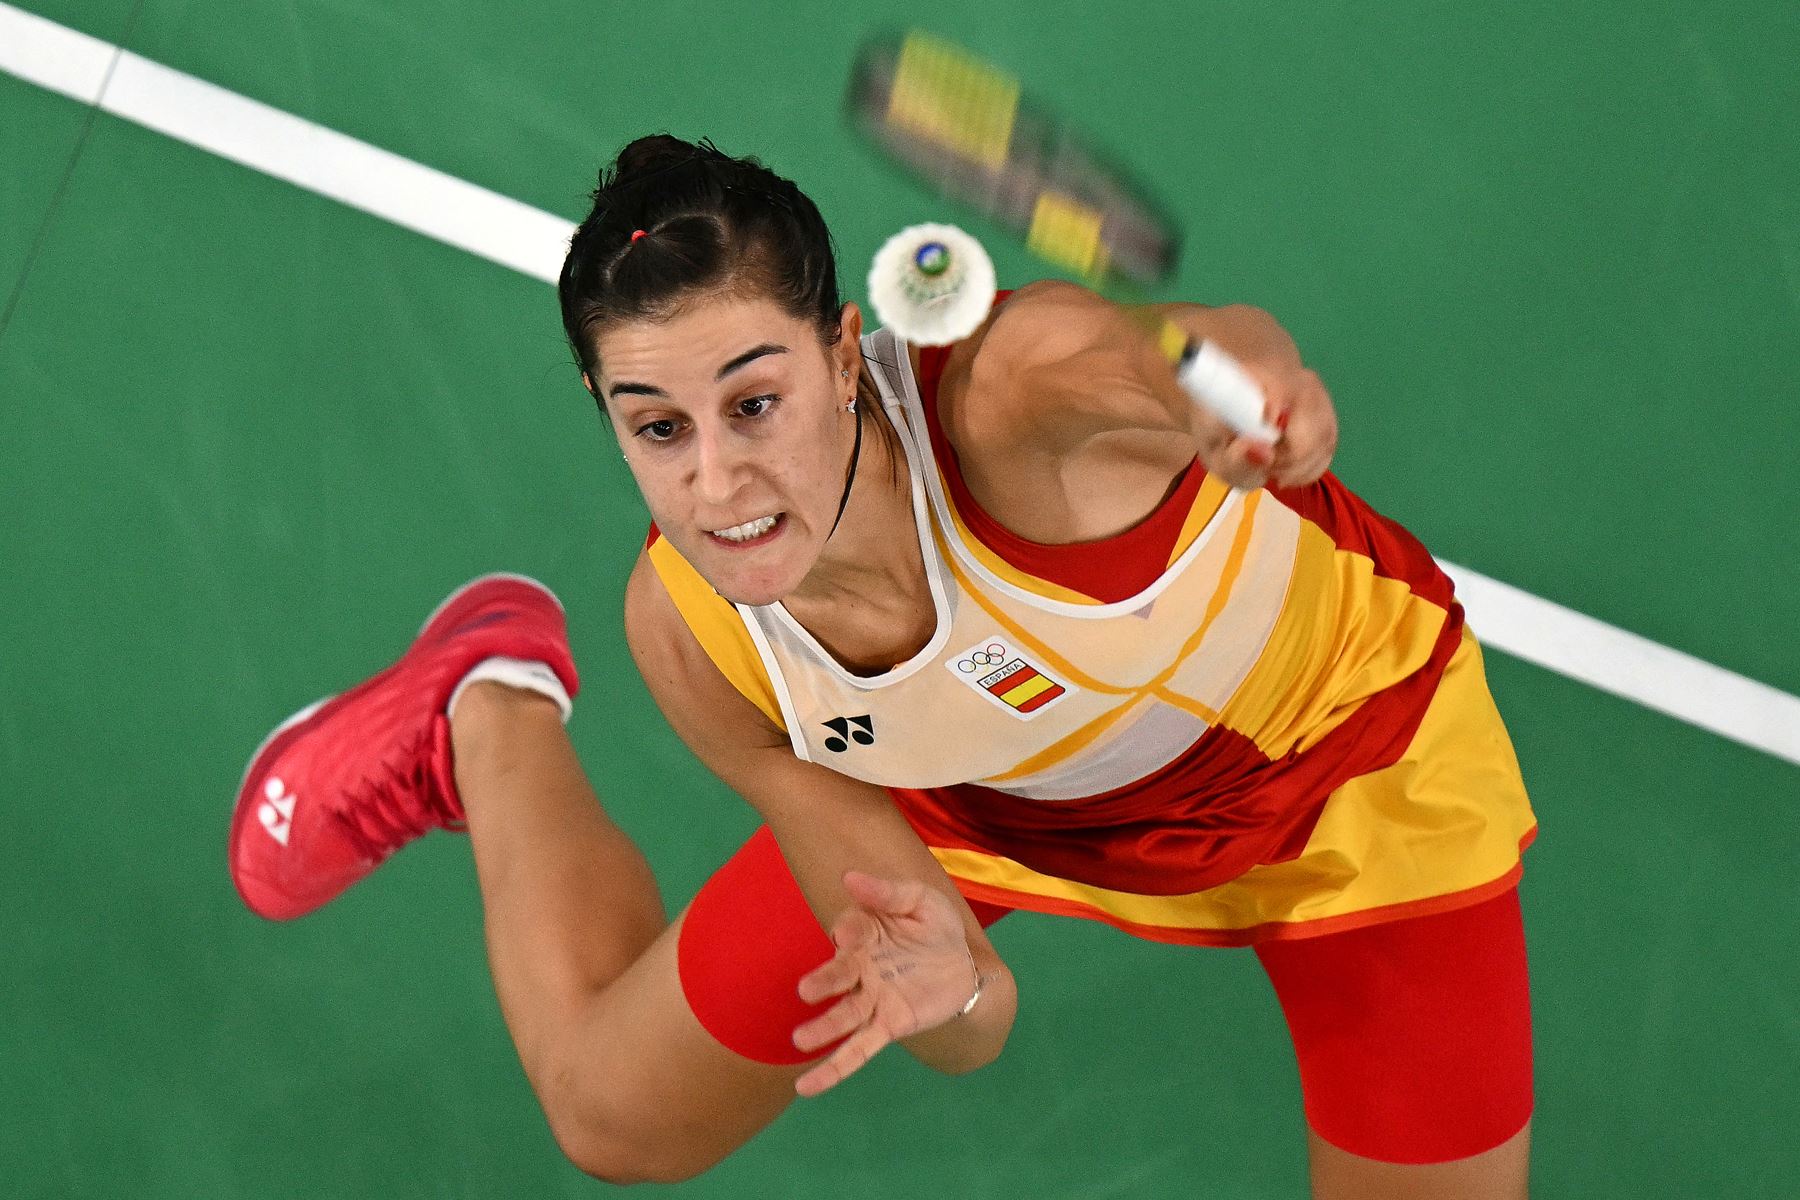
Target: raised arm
{"points": [[1061, 366], [910, 953]]}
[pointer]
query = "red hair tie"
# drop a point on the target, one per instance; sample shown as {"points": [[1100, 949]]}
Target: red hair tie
{"points": [[636, 234]]}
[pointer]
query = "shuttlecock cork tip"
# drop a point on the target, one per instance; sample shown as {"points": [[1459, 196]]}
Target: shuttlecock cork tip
{"points": [[931, 284]]}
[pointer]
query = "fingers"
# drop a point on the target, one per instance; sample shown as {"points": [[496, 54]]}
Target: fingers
{"points": [[833, 979], [1301, 408], [902, 964], [855, 928], [1311, 436], [840, 1020], [1243, 462], [852, 933], [845, 1061]]}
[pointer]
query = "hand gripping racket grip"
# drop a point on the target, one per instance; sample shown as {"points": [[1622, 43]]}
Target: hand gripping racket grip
{"points": [[1215, 381]]}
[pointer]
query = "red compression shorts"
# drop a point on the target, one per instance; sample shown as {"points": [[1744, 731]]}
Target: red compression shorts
{"points": [[1413, 1037]]}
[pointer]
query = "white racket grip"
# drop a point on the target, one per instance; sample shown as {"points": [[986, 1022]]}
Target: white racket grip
{"points": [[1214, 380]]}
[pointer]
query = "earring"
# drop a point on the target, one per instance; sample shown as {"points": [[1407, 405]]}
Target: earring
{"points": [[850, 405], [845, 374]]}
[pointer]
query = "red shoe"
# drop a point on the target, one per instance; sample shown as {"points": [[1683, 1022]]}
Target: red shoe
{"points": [[345, 782]]}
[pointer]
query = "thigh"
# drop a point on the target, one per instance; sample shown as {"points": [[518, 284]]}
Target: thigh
{"points": [[1414, 1036], [689, 1052], [745, 942], [696, 1037]]}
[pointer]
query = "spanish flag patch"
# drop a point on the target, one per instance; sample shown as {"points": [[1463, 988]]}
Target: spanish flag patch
{"points": [[998, 671]]}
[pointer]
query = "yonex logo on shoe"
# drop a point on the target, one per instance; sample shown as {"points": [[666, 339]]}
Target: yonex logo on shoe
{"points": [[276, 812], [481, 622]]}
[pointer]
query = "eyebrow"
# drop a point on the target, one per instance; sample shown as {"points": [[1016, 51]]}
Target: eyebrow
{"points": [[628, 388]]}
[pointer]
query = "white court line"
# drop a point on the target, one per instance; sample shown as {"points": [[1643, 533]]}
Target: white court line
{"points": [[276, 143], [1615, 660], [532, 241]]}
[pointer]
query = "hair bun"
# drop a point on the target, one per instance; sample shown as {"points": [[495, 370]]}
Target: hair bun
{"points": [[715, 223], [651, 154]]}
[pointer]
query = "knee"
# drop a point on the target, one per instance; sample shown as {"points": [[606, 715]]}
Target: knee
{"points": [[613, 1153]]}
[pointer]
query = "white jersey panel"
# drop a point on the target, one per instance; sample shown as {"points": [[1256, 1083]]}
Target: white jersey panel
{"points": [[1044, 698]]}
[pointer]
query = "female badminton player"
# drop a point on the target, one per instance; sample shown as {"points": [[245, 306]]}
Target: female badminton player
{"points": [[1011, 624]]}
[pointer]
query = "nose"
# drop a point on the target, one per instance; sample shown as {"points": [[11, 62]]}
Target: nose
{"points": [[718, 466]]}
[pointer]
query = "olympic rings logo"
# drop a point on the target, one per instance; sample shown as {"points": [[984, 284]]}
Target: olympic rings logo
{"points": [[991, 655]]}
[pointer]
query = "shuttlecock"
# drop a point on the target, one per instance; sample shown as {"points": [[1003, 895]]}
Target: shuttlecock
{"points": [[931, 284]]}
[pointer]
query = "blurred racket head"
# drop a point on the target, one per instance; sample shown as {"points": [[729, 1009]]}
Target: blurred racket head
{"points": [[967, 129]]}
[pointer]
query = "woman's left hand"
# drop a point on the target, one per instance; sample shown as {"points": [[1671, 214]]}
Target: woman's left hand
{"points": [[902, 966]]}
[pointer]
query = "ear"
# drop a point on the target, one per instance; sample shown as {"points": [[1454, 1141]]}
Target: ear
{"points": [[849, 345]]}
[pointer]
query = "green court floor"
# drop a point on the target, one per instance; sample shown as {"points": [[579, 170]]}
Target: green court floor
{"points": [[1546, 256]]}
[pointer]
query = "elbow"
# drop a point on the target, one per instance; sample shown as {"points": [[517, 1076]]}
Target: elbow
{"points": [[596, 1155], [973, 1057], [603, 1158], [971, 1063], [621, 1164], [994, 1018]]}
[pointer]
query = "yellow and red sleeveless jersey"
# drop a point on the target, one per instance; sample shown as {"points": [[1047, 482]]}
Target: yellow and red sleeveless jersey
{"points": [[1134, 729]]}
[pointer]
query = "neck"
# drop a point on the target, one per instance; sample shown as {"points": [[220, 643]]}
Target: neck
{"points": [[874, 554]]}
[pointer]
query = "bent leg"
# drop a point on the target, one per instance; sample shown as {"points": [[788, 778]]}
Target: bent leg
{"points": [[1414, 1044], [585, 964]]}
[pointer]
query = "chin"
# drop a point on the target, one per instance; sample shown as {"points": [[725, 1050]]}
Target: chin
{"points": [[756, 577], [753, 599], [754, 588]]}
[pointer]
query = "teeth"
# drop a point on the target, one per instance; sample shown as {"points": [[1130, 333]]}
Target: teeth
{"points": [[746, 531]]}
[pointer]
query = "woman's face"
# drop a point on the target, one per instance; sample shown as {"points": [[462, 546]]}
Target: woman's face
{"points": [[731, 415]]}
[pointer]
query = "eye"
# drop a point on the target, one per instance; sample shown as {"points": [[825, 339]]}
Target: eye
{"points": [[658, 431], [756, 406]]}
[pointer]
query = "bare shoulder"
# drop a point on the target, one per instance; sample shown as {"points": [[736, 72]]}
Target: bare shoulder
{"points": [[652, 623], [990, 379], [700, 704], [666, 652], [1043, 324], [1046, 326], [1056, 365]]}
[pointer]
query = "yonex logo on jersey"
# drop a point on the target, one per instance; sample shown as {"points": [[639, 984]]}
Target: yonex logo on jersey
{"points": [[998, 671], [276, 812], [860, 730]]}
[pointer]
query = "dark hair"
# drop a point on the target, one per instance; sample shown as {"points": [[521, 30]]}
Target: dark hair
{"points": [[710, 222]]}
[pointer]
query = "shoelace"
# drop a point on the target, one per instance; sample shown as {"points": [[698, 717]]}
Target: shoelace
{"points": [[400, 803]]}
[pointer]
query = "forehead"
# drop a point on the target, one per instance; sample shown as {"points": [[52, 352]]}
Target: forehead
{"points": [[698, 339]]}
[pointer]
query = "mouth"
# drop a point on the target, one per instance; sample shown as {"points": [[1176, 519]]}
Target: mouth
{"points": [[751, 533]]}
